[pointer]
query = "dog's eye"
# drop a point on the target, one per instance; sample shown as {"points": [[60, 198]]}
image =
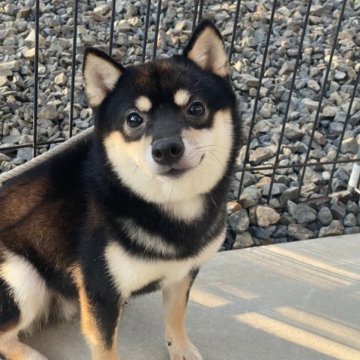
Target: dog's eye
{"points": [[196, 109], [134, 120]]}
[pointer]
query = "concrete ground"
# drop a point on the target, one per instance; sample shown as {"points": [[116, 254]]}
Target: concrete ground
{"points": [[292, 301]]}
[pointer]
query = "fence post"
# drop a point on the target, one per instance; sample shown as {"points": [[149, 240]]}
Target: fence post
{"points": [[355, 175]]}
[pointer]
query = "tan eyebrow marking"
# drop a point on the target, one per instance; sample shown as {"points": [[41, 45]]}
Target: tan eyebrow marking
{"points": [[181, 97], [143, 103]]}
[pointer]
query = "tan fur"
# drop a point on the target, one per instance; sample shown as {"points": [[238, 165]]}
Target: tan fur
{"points": [[181, 97], [143, 103], [209, 53], [89, 325], [100, 78], [175, 301]]}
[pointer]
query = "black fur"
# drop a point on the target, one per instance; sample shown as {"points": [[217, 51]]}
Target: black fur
{"points": [[9, 310], [101, 292]]}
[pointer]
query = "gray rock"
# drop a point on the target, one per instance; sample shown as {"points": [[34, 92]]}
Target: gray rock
{"points": [[330, 111], [277, 189], [249, 179], [293, 132], [334, 229], [338, 209], [261, 154], [349, 145], [263, 233], [300, 232], [311, 176], [249, 197], [4, 157], [325, 216], [48, 112], [281, 232], [23, 13], [311, 105], [289, 194], [336, 128], [3, 80], [267, 110], [102, 10], [266, 216], [298, 147], [313, 85], [302, 213], [352, 230], [243, 240], [249, 80], [13, 65], [60, 79], [340, 75], [350, 220], [239, 221], [13, 137], [351, 206], [25, 154], [30, 39], [287, 67]]}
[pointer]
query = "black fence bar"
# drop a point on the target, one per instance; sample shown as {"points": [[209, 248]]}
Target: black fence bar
{"points": [[348, 116], [323, 90], [113, 14], [234, 33], [36, 75], [297, 62], [201, 9], [253, 118], [196, 8], [298, 165], [146, 30], [157, 26], [73, 68]]}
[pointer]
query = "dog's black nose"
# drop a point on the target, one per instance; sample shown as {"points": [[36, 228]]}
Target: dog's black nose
{"points": [[167, 151]]}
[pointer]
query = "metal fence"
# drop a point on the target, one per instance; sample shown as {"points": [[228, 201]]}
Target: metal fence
{"points": [[150, 49]]}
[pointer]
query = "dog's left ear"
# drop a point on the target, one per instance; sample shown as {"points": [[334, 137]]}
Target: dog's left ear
{"points": [[206, 49]]}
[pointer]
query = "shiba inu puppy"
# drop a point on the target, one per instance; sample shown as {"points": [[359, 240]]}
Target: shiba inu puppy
{"points": [[135, 205]]}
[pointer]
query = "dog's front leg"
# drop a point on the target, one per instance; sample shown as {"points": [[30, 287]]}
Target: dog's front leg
{"points": [[100, 312], [175, 299]]}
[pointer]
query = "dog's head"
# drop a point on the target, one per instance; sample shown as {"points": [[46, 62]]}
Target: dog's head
{"points": [[167, 127]]}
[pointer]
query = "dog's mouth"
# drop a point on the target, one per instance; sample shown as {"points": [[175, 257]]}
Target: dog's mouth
{"points": [[176, 172]]}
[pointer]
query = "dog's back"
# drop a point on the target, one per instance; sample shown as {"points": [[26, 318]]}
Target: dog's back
{"points": [[43, 208]]}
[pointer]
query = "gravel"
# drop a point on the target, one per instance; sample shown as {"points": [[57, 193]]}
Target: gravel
{"points": [[289, 216]]}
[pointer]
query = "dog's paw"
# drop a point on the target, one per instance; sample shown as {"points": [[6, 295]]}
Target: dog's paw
{"points": [[187, 352]]}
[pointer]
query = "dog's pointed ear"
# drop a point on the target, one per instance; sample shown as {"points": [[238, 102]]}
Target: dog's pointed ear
{"points": [[206, 49], [101, 73]]}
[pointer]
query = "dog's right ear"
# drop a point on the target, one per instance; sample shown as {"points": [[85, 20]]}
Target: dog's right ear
{"points": [[101, 73]]}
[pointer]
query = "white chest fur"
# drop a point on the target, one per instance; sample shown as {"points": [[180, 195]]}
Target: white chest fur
{"points": [[132, 273]]}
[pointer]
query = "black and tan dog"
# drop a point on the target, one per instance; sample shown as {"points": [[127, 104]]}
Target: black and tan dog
{"points": [[136, 205]]}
